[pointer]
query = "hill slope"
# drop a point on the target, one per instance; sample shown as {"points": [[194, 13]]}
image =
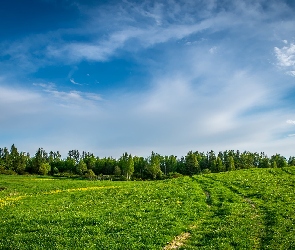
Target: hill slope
{"points": [[248, 209]]}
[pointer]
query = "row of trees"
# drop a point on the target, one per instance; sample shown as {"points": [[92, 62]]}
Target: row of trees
{"points": [[127, 166]]}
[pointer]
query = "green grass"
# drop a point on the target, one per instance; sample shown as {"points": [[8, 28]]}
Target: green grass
{"points": [[248, 209]]}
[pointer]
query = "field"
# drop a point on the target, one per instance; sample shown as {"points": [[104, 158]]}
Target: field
{"points": [[246, 209]]}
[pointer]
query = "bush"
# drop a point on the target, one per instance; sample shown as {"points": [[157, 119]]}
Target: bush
{"points": [[44, 169], [206, 171], [174, 175], [7, 172], [90, 174]]}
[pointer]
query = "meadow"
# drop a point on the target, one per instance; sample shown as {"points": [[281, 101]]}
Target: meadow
{"points": [[244, 209]]}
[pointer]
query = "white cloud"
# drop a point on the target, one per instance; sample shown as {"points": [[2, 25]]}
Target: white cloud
{"points": [[291, 72], [102, 50], [76, 83], [291, 122], [286, 55], [9, 96], [71, 96], [286, 58], [52, 119], [213, 50], [136, 26]]}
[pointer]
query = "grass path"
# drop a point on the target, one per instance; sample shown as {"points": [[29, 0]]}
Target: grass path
{"points": [[251, 209]]}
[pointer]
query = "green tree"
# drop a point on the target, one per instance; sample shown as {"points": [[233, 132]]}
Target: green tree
{"points": [[44, 168], [191, 164], [89, 159], [281, 161], [264, 161], [74, 154], [56, 163], [130, 169], [212, 161], [127, 165], [274, 164], [153, 166], [291, 161], [40, 157], [81, 167], [231, 163], [219, 165], [22, 162], [117, 171], [69, 165], [89, 174], [139, 166]]}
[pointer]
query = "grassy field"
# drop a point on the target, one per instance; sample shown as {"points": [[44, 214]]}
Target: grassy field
{"points": [[247, 209]]}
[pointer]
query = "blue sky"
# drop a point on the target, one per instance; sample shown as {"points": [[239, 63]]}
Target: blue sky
{"points": [[136, 76]]}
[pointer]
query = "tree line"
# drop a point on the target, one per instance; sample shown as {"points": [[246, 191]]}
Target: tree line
{"points": [[129, 167]]}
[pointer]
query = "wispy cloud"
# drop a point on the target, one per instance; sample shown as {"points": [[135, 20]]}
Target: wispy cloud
{"points": [[291, 122], [137, 26], [286, 57], [76, 83], [71, 96]]}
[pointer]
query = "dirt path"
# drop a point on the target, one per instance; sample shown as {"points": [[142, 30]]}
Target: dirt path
{"points": [[177, 242]]}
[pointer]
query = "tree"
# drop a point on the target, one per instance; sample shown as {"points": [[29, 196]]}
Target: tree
{"points": [[117, 171], [109, 165], [13, 158], [90, 174], [169, 164], [231, 163], [21, 164], [153, 166], [40, 157], [70, 165], [81, 167], [263, 161], [127, 165], [74, 154], [212, 161], [89, 159], [274, 164], [56, 163], [247, 160], [139, 166], [281, 161], [44, 168], [181, 166], [291, 161], [130, 168], [219, 165], [191, 164]]}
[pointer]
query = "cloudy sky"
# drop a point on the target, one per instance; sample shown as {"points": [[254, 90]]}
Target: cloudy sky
{"points": [[136, 76]]}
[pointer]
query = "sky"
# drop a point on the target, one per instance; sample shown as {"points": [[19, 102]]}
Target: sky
{"points": [[109, 77]]}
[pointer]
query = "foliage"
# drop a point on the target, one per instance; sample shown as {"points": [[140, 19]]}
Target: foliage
{"points": [[191, 164], [44, 168], [89, 174], [117, 171], [155, 166], [81, 168]]}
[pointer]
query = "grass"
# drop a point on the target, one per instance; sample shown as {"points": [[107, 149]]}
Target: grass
{"points": [[247, 209]]}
